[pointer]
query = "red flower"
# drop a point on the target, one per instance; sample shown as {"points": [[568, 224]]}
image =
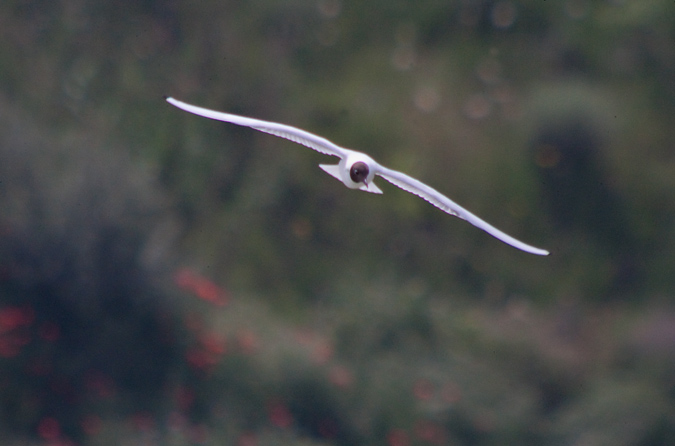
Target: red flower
{"points": [[49, 331], [430, 432], [398, 437], [423, 389], [214, 344], [14, 323], [248, 341], [247, 439], [341, 376], [91, 424], [185, 397], [279, 414], [49, 429], [143, 421], [200, 286]]}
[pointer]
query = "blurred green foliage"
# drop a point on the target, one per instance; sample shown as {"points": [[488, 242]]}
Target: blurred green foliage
{"points": [[329, 316]]}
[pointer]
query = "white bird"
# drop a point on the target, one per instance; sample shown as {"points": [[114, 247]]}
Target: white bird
{"points": [[357, 170]]}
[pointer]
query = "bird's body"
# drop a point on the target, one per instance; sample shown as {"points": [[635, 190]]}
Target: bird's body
{"points": [[357, 170]]}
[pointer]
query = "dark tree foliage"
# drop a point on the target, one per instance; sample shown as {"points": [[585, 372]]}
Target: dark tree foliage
{"points": [[85, 320]]}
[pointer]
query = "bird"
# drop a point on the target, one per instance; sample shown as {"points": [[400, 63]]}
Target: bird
{"points": [[356, 170]]}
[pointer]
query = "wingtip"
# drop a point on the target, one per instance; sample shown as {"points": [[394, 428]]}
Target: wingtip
{"points": [[540, 252], [171, 100]]}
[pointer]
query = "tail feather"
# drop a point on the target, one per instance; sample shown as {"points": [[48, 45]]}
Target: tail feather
{"points": [[370, 187]]}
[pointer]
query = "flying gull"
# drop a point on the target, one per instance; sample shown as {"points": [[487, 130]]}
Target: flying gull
{"points": [[357, 170]]}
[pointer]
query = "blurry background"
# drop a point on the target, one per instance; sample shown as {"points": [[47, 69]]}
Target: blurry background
{"points": [[167, 279]]}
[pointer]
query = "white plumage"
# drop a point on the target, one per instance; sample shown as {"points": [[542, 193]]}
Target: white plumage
{"points": [[357, 170]]}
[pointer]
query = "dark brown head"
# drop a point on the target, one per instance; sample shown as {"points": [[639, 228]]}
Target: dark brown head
{"points": [[359, 172]]}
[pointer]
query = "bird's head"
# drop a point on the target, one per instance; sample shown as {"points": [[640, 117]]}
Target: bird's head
{"points": [[358, 172], [362, 176]]}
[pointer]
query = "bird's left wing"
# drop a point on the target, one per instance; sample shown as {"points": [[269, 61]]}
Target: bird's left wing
{"points": [[307, 139], [442, 202]]}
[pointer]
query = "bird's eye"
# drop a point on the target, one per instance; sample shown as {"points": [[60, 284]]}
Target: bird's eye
{"points": [[359, 172]]}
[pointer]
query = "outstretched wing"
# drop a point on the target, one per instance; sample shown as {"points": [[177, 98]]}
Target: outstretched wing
{"points": [[442, 202], [310, 140]]}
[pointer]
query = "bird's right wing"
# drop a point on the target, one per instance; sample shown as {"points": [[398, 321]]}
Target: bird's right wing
{"points": [[307, 139], [442, 202]]}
